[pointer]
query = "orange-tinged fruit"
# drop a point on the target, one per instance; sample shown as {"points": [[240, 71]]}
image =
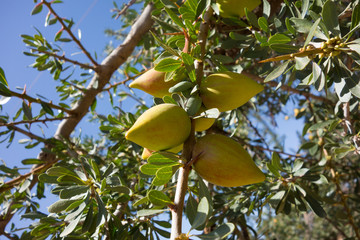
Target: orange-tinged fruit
{"points": [[235, 8], [161, 127], [153, 83], [147, 152], [228, 90], [224, 162], [202, 124]]}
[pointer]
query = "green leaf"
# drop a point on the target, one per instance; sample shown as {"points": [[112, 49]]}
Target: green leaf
{"points": [[37, 9], [251, 17], [312, 32], [189, 65], [263, 24], [191, 208], [71, 227], [88, 219], [297, 165], [273, 169], [3, 78], [330, 17], [59, 171], [201, 213], [149, 169], [201, 6], [181, 86], [163, 158], [168, 65], [175, 18], [301, 63], [193, 104], [47, 108], [158, 198], [277, 72], [60, 205], [304, 26], [279, 38], [164, 46], [27, 111], [315, 206], [73, 191], [275, 161], [32, 161], [148, 212], [141, 201], [164, 173], [219, 233]]}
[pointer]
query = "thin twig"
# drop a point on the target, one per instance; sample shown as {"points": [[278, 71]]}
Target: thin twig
{"points": [[14, 182], [336, 226], [125, 8], [32, 121], [255, 129], [124, 81], [65, 27], [86, 66], [37, 100], [29, 134], [288, 88]]}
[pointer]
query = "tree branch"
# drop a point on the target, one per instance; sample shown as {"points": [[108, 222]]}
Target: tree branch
{"points": [[37, 100], [32, 121], [86, 66], [29, 134], [65, 27]]}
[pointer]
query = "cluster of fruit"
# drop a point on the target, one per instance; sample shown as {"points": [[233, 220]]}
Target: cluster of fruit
{"points": [[219, 159]]}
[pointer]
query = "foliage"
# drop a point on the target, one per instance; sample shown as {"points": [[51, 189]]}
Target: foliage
{"points": [[305, 53]]}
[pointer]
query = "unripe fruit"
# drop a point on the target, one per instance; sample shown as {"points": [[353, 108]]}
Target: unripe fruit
{"points": [[153, 83], [227, 90], [224, 162], [147, 152], [161, 127], [235, 8], [202, 124]]}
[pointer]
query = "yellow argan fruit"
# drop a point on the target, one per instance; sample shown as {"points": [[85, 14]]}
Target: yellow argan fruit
{"points": [[227, 90], [202, 124], [161, 127], [147, 152], [235, 8], [224, 162], [153, 83]]}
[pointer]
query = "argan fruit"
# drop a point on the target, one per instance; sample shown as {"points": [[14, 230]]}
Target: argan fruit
{"points": [[202, 124], [153, 83], [235, 8], [147, 152], [161, 127], [224, 162], [227, 90]]}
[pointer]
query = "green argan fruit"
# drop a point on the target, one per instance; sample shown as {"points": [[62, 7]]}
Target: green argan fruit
{"points": [[153, 83], [161, 127], [227, 90], [224, 162]]}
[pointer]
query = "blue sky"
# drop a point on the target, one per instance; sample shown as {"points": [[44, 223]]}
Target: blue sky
{"points": [[92, 17]]}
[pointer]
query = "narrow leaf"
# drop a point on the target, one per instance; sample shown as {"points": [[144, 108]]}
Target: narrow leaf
{"points": [[158, 198], [277, 72]]}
